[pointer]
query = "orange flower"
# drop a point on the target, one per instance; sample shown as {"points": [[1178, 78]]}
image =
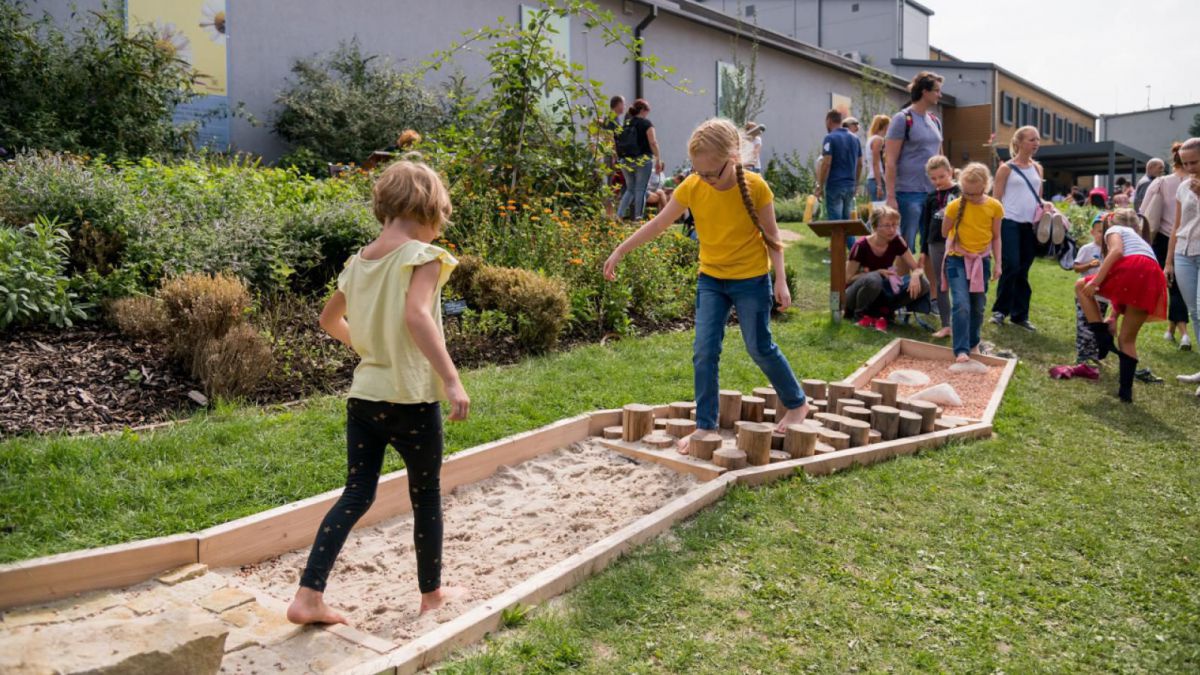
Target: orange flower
{"points": [[576, 261]]}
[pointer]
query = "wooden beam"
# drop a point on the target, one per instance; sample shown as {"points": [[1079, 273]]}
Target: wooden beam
{"points": [[668, 457]]}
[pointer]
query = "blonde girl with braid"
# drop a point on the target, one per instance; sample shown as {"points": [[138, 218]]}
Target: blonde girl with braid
{"points": [[741, 265]]}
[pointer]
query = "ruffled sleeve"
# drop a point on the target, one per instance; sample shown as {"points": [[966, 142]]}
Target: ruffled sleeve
{"points": [[429, 253]]}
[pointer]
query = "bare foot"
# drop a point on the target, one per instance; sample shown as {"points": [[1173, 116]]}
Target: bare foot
{"points": [[309, 607], [962, 358], [942, 333], [437, 599], [792, 416]]}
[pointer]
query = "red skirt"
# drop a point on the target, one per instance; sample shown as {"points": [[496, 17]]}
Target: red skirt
{"points": [[1136, 281]]}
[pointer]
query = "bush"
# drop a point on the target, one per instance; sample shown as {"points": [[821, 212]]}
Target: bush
{"points": [[536, 306], [236, 363], [201, 308], [790, 176], [33, 285], [790, 210], [331, 232], [139, 316], [98, 90]]}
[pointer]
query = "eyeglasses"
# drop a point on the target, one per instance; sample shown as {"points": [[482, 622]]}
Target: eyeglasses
{"points": [[712, 176]]}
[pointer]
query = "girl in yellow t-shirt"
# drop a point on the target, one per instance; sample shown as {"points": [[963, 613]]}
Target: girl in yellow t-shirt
{"points": [[387, 309], [972, 231], [739, 246]]}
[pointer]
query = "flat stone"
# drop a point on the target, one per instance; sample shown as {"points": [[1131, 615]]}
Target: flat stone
{"points": [[257, 625], [224, 599], [63, 610], [181, 574], [193, 589]]}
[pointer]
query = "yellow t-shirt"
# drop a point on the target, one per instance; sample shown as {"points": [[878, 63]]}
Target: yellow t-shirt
{"points": [[974, 233], [391, 368], [731, 247]]}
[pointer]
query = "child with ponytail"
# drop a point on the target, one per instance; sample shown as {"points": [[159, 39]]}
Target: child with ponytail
{"points": [[740, 252]]}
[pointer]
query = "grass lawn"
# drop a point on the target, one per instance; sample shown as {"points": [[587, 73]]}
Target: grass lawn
{"points": [[1066, 543]]}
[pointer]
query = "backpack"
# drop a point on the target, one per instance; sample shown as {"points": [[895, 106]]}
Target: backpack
{"points": [[627, 140], [908, 122]]}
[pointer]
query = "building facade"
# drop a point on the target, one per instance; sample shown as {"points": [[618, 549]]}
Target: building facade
{"points": [[1151, 131]]}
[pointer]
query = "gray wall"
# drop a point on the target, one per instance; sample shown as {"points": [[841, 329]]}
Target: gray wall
{"points": [[61, 10], [1151, 131], [968, 86]]}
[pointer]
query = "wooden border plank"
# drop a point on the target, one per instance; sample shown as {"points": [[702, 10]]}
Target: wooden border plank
{"points": [[1010, 368], [600, 419], [474, 624], [58, 576], [682, 463], [862, 377]]}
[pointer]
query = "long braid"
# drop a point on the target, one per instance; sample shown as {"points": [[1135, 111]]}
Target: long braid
{"points": [[772, 243]]}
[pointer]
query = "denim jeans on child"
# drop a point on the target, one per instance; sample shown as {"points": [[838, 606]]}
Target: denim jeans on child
{"points": [[966, 308], [637, 178], [911, 206], [753, 299]]}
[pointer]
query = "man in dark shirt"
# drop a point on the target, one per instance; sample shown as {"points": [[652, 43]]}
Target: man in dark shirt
{"points": [[841, 165]]}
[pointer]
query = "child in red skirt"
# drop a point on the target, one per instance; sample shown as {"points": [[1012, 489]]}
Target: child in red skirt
{"points": [[1130, 278]]}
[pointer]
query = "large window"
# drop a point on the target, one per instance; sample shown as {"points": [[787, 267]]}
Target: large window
{"points": [[1007, 112], [1022, 113], [1047, 121], [1035, 115], [1069, 136], [1059, 123]]}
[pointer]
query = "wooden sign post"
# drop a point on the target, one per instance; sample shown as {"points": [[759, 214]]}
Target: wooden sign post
{"points": [[837, 230]]}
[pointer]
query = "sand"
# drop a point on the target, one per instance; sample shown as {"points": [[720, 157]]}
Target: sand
{"points": [[498, 532], [975, 389]]}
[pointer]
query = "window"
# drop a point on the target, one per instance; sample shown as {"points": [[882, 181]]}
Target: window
{"points": [[1046, 123], [1035, 115], [1022, 113], [1058, 128], [1069, 136], [1007, 103]]}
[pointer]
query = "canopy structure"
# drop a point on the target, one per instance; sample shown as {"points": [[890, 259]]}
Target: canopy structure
{"points": [[1102, 158]]}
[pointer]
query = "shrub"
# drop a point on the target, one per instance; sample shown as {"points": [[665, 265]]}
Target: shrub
{"points": [[200, 308], [33, 285], [537, 306], [236, 363], [332, 232], [139, 316], [789, 175], [790, 210]]}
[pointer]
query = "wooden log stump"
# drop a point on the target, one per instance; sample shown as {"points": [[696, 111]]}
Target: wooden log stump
{"points": [[768, 395], [887, 390], [703, 444], [874, 437], [855, 413], [729, 458], [858, 431], [869, 398], [828, 420], [659, 439], [818, 405], [637, 420], [681, 410], [779, 456], [769, 415], [838, 391], [824, 448], [927, 411], [910, 424], [814, 388], [729, 408], [777, 440], [942, 424], [660, 423], [752, 408], [613, 433], [844, 403], [755, 440], [680, 427], [692, 415], [835, 439], [800, 440], [886, 420]]}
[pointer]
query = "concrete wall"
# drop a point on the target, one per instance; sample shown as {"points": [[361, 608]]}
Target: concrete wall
{"points": [[1151, 131], [61, 11], [914, 41], [968, 86], [872, 31]]}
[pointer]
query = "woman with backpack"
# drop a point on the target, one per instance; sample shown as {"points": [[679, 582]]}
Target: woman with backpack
{"points": [[637, 149], [913, 136], [1018, 187]]}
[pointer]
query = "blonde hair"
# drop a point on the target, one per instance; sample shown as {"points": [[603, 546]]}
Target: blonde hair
{"points": [[720, 138], [938, 162], [882, 212], [879, 125], [1129, 218], [976, 173], [410, 189], [1016, 138]]}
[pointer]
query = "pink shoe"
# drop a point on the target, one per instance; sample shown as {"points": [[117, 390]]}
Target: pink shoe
{"points": [[881, 324], [1062, 372], [866, 322], [1086, 370]]}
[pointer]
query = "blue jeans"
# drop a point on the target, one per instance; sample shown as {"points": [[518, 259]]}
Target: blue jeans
{"points": [[1018, 248], [966, 308], [753, 299], [1187, 278], [912, 205], [839, 205], [871, 194], [637, 177]]}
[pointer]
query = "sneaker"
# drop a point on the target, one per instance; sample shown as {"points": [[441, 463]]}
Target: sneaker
{"points": [[1146, 375], [998, 318], [1169, 336], [902, 316], [1185, 345], [1062, 372], [1043, 227], [881, 324], [866, 322], [1087, 370], [1058, 229], [1026, 325], [1194, 377]]}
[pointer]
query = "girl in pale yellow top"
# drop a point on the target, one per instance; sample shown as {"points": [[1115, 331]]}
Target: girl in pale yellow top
{"points": [[739, 245], [387, 308], [972, 230]]}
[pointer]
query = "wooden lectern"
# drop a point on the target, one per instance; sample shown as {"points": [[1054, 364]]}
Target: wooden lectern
{"points": [[837, 230]]}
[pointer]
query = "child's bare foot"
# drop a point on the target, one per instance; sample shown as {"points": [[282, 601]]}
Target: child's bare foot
{"points": [[792, 416], [437, 599], [962, 358], [942, 333], [309, 607], [684, 445]]}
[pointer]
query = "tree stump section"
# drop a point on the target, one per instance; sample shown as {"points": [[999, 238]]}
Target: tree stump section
{"points": [[769, 415], [910, 424], [844, 403], [869, 398], [613, 433], [825, 448], [703, 444], [755, 440], [637, 420], [729, 408], [838, 391], [777, 440], [814, 388], [828, 420], [800, 440], [835, 439], [874, 437], [856, 413], [779, 456], [729, 458], [887, 390], [680, 427], [659, 439], [768, 395], [681, 410], [818, 404], [858, 431], [928, 413], [660, 423], [886, 420], [752, 408]]}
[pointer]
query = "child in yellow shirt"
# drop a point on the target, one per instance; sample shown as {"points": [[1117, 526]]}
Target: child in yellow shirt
{"points": [[387, 308], [972, 231]]}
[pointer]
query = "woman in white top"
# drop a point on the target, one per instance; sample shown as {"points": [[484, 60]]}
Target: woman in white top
{"points": [[1018, 187], [1183, 253], [879, 127], [1158, 205], [754, 132]]}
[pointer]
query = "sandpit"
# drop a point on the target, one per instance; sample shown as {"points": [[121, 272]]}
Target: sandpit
{"points": [[975, 389], [498, 532]]}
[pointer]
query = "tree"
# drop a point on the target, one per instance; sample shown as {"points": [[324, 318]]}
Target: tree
{"points": [[873, 87], [742, 94]]}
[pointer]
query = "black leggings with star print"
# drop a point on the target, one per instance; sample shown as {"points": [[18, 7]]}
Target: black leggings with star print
{"points": [[415, 430]]}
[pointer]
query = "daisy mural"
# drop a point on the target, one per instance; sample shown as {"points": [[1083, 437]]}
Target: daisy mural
{"points": [[171, 40], [212, 20]]}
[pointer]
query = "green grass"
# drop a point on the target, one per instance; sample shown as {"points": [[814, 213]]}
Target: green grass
{"points": [[1066, 543]]}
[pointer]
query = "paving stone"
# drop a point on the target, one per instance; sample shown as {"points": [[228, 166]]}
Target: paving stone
{"points": [[254, 624], [224, 599], [319, 651], [181, 574], [69, 609], [194, 589]]}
